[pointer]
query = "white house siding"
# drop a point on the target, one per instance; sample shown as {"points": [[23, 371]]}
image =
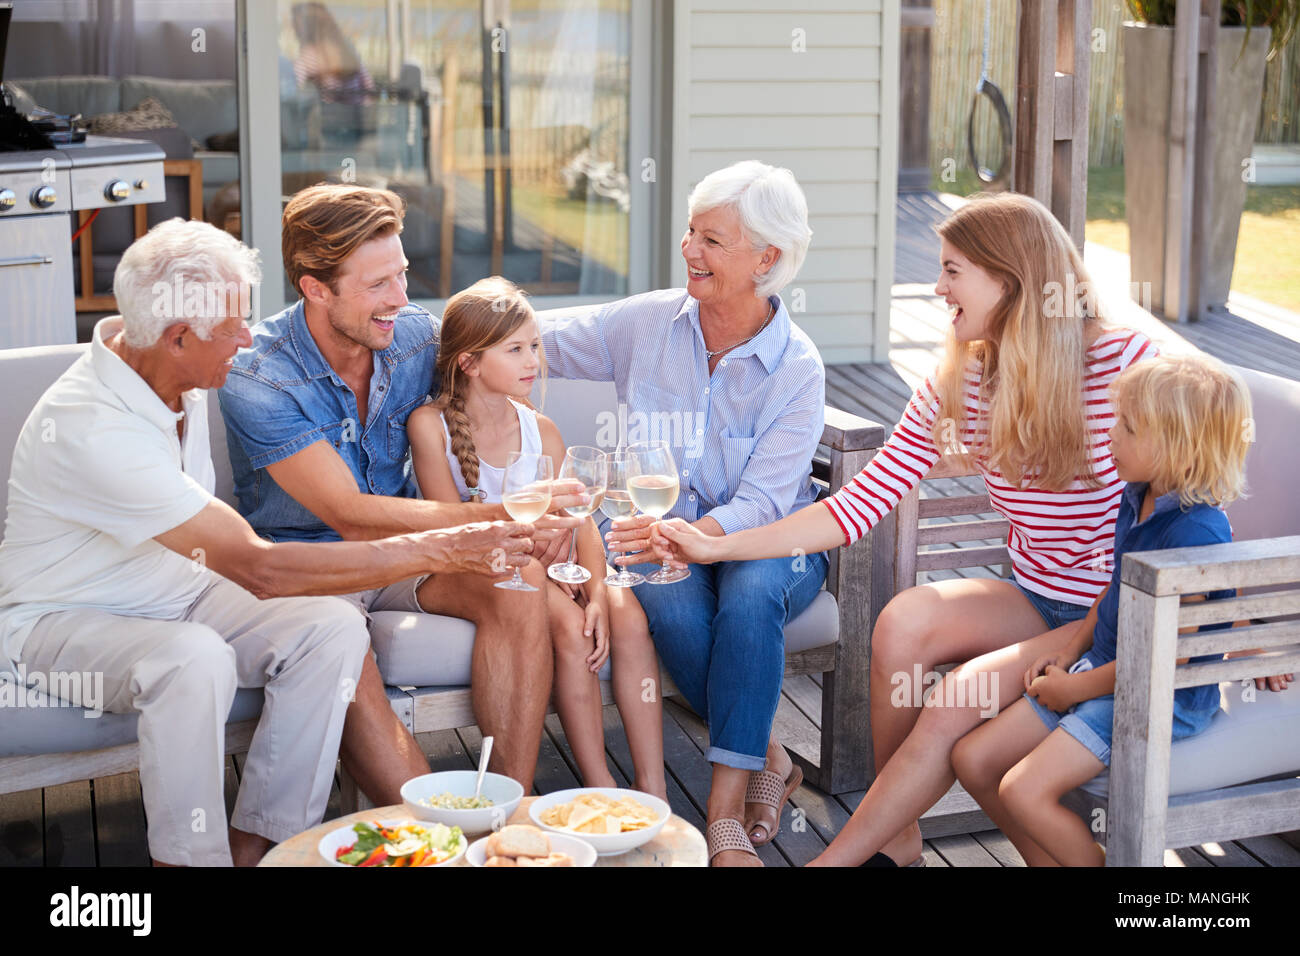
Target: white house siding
{"points": [[741, 90]]}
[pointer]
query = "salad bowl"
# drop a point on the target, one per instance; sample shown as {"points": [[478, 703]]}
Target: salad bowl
{"points": [[418, 840]]}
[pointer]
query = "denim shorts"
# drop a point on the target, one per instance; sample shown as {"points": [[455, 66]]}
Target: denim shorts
{"points": [[1091, 721], [1054, 613]]}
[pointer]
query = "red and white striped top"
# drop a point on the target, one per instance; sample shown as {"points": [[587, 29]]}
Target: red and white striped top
{"points": [[1061, 542]]}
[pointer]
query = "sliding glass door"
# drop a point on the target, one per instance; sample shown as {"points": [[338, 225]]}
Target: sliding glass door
{"points": [[507, 126]]}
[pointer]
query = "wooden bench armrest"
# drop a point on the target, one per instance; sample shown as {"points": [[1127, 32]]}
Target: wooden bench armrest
{"points": [[1213, 567], [1147, 672], [846, 761], [845, 431]]}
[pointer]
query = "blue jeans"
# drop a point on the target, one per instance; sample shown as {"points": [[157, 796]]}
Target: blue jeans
{"points": [[1054, 613], [1091, 721], [721, 634]]}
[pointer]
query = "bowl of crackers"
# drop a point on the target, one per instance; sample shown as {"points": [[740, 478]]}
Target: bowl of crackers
{"points": [[522, 845], [611, 819]]}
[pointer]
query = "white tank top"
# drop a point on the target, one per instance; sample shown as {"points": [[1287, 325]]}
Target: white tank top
{"points": [[490, 479]]}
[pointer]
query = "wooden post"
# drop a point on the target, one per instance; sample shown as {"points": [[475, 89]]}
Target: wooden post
{"points": [[1203, 201], [1035, 100], [906, 517], [916, 23], [1070, 133], [1052, 70], [1180, 168], [847, 761], [1143, 728]]}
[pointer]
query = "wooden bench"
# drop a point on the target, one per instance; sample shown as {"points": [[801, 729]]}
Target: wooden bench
{"points": [[841, 765]]}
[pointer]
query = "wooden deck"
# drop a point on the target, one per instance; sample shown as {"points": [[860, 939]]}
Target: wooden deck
{"points": [[101, 822]]}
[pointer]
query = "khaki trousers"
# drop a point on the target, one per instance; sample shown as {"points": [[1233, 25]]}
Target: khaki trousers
{"points": [[180, 676]]}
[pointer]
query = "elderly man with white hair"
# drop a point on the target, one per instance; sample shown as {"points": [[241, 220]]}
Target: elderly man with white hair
{"points": [[117, 559], [742, 390]]}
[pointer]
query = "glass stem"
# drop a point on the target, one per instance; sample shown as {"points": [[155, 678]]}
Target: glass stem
{"points": [[573, 546]]}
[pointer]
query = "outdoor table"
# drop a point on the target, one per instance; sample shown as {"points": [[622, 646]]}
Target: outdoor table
{"points": [[678, 843]]}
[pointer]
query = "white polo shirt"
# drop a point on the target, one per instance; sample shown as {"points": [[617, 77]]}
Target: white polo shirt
{"points": [[98, 471]]}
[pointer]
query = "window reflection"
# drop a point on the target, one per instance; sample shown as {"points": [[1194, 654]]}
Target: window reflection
{"points": [[503, 125]]}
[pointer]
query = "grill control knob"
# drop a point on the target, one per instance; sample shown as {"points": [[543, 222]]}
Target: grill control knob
{"points": [[7, 199], [43, 197], [116, 191], [142, 184]]}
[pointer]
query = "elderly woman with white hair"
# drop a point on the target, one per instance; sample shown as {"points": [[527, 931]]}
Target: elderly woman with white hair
{"points": [[744, 388]]}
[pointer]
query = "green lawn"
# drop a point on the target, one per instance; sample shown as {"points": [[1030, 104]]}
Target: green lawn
{"points": [[1266, 266], [551, 210]]}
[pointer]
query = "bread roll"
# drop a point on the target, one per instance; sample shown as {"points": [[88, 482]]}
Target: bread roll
{"points": [[518, 840]]}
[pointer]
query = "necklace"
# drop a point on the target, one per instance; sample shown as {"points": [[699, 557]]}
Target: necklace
{"points": [[771, 311]]}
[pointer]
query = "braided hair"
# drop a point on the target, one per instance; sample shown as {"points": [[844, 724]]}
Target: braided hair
{"points": [[473, 321]]}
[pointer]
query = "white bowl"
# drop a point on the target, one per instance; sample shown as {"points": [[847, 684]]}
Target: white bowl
{"points": [[583, 853], [346, 836], [504, 792], [606, 844]]}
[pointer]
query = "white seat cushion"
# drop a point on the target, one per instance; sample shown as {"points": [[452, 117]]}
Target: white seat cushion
{"points": [[1247, 740], [817, 626], [42, 727], [430, 650]]}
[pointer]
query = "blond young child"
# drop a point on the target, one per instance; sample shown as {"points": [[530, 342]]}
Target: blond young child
{"points": [[489, 357], [1180, 443]]}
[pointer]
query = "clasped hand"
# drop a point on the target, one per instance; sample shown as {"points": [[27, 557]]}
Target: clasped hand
{"points": [[1055, 690], [639, 539]]}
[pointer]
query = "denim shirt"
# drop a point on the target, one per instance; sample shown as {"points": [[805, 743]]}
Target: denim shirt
{"points": [[742, 437], [281, 396], [1168, 526]]}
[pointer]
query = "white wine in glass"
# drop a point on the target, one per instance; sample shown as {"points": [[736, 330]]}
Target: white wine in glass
{"points": [[526, 495], [618, 504], [653, 494], [652, 483], [527, 506], [587, 465]]}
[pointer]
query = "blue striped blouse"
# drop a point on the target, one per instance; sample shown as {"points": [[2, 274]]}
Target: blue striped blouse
{"points": [[743, 438]]}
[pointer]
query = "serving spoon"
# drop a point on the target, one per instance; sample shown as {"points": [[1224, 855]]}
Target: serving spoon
{"points": [[482, 765]]}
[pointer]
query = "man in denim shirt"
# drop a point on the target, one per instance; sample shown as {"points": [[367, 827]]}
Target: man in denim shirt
{"points": [[316, 411]]}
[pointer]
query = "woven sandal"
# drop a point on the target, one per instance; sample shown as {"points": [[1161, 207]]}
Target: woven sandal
{"points": [[725, 834], [768, 789]]}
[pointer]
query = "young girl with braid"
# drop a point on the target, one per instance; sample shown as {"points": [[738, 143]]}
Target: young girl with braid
{"points": [[488, 359]]}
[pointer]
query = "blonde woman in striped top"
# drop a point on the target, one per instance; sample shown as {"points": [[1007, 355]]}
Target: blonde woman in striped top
{"points": [[1022, 391]]}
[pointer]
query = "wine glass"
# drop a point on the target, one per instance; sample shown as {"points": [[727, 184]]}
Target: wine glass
{"points": [[526, 494], [588, 466], [618, 504], [652, 483]]}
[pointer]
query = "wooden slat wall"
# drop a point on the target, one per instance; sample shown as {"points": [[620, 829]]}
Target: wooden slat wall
{"points": [[958, 38], [741, 91]]}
